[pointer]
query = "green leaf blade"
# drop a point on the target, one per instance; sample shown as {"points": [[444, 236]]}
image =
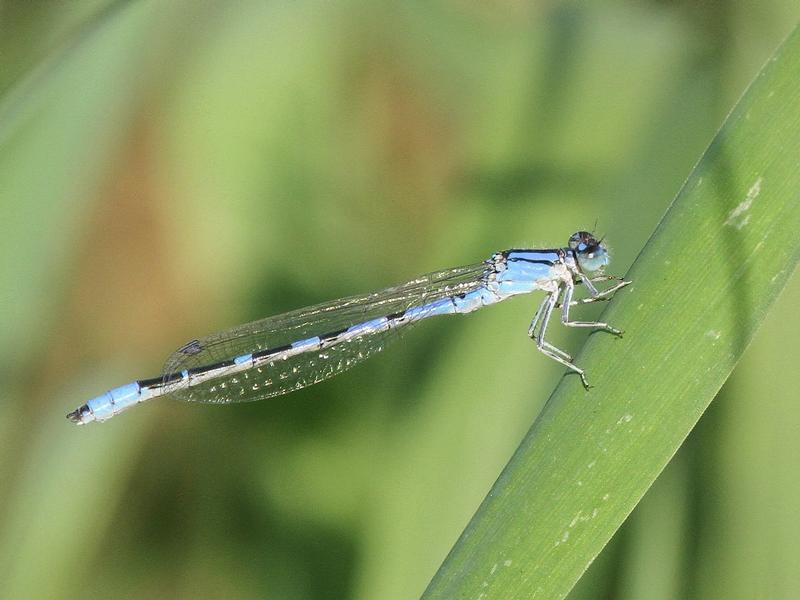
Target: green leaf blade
{"points": [[702, 286]]}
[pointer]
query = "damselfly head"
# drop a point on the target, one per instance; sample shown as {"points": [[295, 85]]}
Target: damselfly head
{"points": [[591, 253]]}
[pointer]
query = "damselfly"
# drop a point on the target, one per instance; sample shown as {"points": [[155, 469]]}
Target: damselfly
{"points": [[288, 352]]}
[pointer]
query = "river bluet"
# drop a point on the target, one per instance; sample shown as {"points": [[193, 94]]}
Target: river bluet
{"points": [[291, 351]]}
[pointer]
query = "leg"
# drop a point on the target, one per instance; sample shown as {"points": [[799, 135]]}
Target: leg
{"points": [[589, 300], [594, 291], [606, 278], [543, 314], [565, 313], [539, 339], [596, 295]]}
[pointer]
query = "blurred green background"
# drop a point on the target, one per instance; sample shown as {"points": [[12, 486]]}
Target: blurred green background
{"points": [[172, 169]]}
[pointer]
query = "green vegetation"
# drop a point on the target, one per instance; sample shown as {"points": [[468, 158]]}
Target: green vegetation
{"points": [[702, 285], [171, 169]]}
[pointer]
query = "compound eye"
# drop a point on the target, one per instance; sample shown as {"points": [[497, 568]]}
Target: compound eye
{"points": [[581, 240], [589, 251]]}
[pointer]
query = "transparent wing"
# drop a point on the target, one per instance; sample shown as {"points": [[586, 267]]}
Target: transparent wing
{"points": [[299, 371]]}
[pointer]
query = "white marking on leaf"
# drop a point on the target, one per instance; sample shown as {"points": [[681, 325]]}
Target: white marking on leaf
{"points": [[739, 216]]}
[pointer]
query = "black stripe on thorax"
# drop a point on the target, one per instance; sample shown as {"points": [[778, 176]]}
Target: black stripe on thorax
{"points": [[557, 251], [533, 262]]}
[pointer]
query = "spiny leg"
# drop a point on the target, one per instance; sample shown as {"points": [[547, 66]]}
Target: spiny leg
{"points": [[594, 292], [543, 307], [565, 315], [599, 296], [606, 278], [589, 300], [544, 313], [536, 318]]}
